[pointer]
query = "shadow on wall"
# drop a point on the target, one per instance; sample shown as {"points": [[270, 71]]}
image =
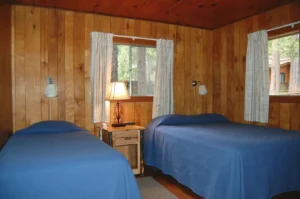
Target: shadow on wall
{"points": [[4, 136]]}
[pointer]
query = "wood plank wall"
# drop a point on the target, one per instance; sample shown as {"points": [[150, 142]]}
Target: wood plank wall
{"points": [[139, 112], [56, 43], [229, 58], [6, 125]]}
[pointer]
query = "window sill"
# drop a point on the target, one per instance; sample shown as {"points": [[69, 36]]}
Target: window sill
{"points": [[284, 99], [137, 99]]}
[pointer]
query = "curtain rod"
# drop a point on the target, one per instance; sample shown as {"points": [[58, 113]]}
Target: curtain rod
{"points": [[291, 24], [132, 37]]}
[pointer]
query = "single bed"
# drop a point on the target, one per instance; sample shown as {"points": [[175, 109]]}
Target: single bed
{"points": [[219, 159], [59, 160]]}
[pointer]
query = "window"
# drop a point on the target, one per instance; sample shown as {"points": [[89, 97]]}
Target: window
{"points": [[135, 65], [284, 65], [282, 78]]}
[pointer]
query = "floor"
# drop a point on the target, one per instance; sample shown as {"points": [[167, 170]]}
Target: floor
{"points": [[171, 184]]}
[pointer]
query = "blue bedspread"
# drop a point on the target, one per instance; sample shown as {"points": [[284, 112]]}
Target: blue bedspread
{"points": [[63, 161], [219, 159]]}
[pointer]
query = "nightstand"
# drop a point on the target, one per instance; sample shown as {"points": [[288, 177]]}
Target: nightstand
{"points": [[129, 141]]}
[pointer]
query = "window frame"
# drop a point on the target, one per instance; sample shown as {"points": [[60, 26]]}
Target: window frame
{"points": [[137, 99], [275, 34]]}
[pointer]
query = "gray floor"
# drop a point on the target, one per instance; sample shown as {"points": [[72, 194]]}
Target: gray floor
{"points": [[151, 189]]}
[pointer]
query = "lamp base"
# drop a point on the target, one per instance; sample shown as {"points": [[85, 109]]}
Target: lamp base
{"points": [[118, 125]]}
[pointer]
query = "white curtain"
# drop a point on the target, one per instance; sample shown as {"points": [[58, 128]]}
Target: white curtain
{"points": [[163, 103], [257, 78], [101, 61]]}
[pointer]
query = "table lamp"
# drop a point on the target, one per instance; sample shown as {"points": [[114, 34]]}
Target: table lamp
{"points": [[118, 91]]}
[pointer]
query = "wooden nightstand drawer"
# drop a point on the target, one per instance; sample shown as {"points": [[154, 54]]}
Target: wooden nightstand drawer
{"points": [[125, 137], [124, 134], [125, 141]]}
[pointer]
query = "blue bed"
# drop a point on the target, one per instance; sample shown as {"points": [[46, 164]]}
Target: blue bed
{"points": [[219, 159], [59, 160]]}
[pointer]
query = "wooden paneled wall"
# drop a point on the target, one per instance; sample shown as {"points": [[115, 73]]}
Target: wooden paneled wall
{"points": [[139, 112], [56, 43], [6, 116], [229, 63]]}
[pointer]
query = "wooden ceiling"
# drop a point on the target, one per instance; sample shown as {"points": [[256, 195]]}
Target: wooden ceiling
{"points": [[207, 14]]}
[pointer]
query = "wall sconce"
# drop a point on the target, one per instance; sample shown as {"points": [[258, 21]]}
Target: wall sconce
{"points": [[202, 89], [50, 92]]}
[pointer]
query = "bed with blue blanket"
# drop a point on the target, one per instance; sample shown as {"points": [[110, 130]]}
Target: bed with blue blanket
{"points": [[219, 159], [59, 160]]}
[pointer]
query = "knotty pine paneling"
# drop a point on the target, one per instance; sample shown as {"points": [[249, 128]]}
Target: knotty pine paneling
{"points": [[6, 113], [229, 63], [138, 112], [56, 43]]}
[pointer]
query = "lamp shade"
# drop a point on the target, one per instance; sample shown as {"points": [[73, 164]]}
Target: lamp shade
{"points": [[50, 91], [202, 89], [117, 91]]}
